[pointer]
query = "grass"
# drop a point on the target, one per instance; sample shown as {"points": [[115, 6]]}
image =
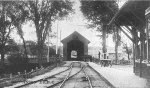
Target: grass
{"points": [[20, 78]]}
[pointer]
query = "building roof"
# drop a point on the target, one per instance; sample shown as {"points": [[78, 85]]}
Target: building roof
{"points": [[132, 13], [75, 35]]}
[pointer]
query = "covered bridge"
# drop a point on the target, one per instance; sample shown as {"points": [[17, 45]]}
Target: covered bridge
{"points": [[75, 45]]}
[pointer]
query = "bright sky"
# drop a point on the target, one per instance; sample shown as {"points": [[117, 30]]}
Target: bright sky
{"points": [[76, 22]]}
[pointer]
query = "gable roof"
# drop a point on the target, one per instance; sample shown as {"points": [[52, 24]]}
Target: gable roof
{"points": [[79, 36]]}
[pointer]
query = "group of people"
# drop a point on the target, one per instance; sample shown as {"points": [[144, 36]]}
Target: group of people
{"points": [[106, 63]]}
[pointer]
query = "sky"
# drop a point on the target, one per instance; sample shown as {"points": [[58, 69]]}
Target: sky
{"points": [[76, 22]]}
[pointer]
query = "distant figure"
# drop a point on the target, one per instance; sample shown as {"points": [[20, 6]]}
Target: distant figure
{"points": [[110, 63], [102, 63]]}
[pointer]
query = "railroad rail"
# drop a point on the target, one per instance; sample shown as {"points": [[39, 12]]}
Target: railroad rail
{"points": [[69, 77], [61, 78], [88, 78], [44, 78], [66, 78]]}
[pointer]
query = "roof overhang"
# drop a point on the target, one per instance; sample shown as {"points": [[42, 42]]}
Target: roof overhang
{"points": [[73, 36], [132, 13]]}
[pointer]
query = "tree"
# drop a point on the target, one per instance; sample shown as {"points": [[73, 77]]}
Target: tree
{"points": [[99, 13], [18, 17], [5, 28], [11, 16], [42, 14], [116, 39]]}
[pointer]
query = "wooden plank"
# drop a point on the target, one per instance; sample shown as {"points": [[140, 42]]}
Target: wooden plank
{"points": [[124, 32]]}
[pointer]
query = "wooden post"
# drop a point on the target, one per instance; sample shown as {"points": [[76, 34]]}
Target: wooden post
{"points": [[147, 38], [104, 38], [134, 53], [141, 55], [136, 45]]}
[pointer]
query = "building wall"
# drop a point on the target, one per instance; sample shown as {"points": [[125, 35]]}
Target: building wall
{"points": [[94, 51], [85, 49], [65, 51]]}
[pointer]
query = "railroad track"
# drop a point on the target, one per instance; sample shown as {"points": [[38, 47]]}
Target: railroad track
{"points": [[56, 77], [88, 78], [33, 82], [68, 77], [59, 80]]}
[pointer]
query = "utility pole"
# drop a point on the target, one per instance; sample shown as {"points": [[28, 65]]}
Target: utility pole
{"points": [[60, 46], [57, 40], [48, 48]]}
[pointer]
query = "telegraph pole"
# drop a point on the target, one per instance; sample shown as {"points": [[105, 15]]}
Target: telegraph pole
{"points": [[48, 48], [57, 40], [60, 40]]}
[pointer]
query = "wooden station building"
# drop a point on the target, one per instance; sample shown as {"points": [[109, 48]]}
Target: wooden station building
{"points": [[134, 17]]}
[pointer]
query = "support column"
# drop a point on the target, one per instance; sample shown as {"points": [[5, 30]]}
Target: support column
{"points": [[135, 45], [147, 39], [141, 53], [136, 50], [133, 57]]}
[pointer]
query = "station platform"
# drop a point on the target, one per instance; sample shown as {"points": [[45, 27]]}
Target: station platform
{"points": [[121, 77]]}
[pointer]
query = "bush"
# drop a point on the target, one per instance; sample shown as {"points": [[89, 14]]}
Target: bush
{"points": [[87, 58], [16, 59]]}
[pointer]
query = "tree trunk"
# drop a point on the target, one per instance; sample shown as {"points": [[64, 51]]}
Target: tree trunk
{"points": [[40, 53], [2, 55], [116, 45], [127, 50], [25, 48], [116, 52], [104, 38], [20, 32], [2, 59], [128, 56]]}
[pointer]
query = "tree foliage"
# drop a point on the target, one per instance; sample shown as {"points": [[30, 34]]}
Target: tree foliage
{"points": [[5, 27], [43, 13], [98, 13], [11, 47], [16, 58], [18, 16]]}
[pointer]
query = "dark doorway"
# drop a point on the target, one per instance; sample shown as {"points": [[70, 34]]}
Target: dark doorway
{"points": [[76, 46]]}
